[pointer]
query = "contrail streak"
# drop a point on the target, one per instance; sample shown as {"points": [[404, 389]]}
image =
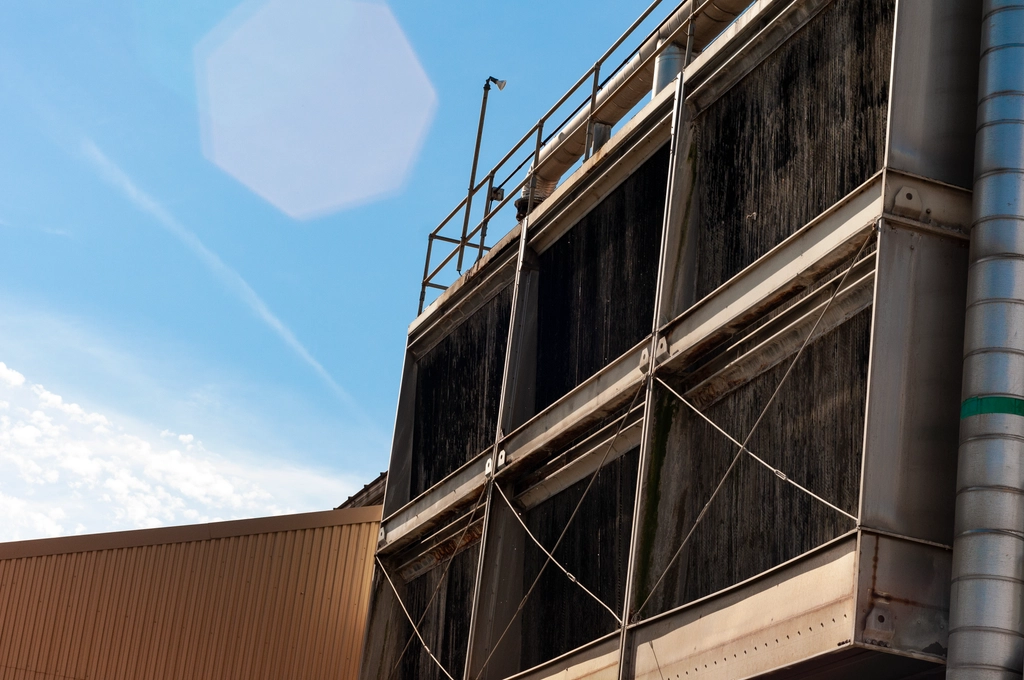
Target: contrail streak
{"points": [[115, 176]]}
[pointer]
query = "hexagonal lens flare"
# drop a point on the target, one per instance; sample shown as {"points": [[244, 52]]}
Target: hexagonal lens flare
{"points": [[315, 105]]}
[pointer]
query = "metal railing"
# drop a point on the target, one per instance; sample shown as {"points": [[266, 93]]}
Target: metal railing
{"points": [[501, 185]]}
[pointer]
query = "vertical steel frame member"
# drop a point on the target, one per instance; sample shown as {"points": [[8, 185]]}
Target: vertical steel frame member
{"points": [[987, 595]]}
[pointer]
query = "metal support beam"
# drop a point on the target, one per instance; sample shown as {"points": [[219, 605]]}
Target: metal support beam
{"points": [[804, 257], [523, 309], [668, 260]]}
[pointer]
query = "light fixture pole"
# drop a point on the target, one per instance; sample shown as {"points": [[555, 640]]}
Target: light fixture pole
{"points": [[476, 157]]}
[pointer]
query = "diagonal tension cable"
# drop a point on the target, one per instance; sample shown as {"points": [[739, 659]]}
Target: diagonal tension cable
{"points": [[656, 662], [777, 472], [415, 630], [760, 417], [437, 587], [565, 530], [552, 557]]}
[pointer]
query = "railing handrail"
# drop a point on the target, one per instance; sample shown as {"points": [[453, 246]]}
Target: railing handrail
{"points": [[536, 131]]}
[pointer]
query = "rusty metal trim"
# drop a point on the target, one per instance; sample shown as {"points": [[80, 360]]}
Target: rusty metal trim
{"points": [[192, 532], [910, 539]]}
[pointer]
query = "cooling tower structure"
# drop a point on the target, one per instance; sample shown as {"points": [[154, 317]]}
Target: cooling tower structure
{"points": [[707, 411]]}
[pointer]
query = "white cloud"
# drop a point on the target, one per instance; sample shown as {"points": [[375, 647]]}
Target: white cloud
{"points": [[75, 411], [10, 376], [66, 470]]}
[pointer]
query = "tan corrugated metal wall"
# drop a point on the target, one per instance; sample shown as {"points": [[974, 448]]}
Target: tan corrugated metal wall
{"points": [[280, 597]]}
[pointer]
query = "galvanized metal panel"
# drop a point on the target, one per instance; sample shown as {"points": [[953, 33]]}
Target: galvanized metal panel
{"points": [[798, 611], [275, 597], [903, 596], [914, 389], [933, 105]]}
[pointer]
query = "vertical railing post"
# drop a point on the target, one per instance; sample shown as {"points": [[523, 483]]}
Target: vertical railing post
{"points": [[590, 116], [689, 37], [487, 213], [426, 273], [533, 170]]}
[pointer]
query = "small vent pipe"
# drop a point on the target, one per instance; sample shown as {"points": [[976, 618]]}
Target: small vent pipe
{"points": [[570, 143], [667, 66], [602, 133], [987, 594]]}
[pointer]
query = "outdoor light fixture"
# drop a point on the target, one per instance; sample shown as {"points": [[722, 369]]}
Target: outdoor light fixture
{"points": [[472, 173]]}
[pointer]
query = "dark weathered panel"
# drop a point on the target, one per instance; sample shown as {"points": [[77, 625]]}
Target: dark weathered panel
{"points": [[458, 388], [559, 616], [446, 625], [813, 432], [597, 283], [801, 131]]}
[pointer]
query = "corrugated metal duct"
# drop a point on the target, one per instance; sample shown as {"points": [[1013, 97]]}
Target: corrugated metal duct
{"points": [[987, 598], [279, 597]]}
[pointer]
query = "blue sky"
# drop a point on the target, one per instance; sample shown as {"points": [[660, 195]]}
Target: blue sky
{"points": [[195, 281]]}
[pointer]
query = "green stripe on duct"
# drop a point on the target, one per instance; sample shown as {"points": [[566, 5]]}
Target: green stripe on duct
{"points": [[976, 406]]}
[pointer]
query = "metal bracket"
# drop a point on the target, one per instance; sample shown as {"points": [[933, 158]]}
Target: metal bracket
{"points": [[488, 468], [661, 352], [879, 626], [501, 459], [381, 535], [908, 203], [645, 361]]}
